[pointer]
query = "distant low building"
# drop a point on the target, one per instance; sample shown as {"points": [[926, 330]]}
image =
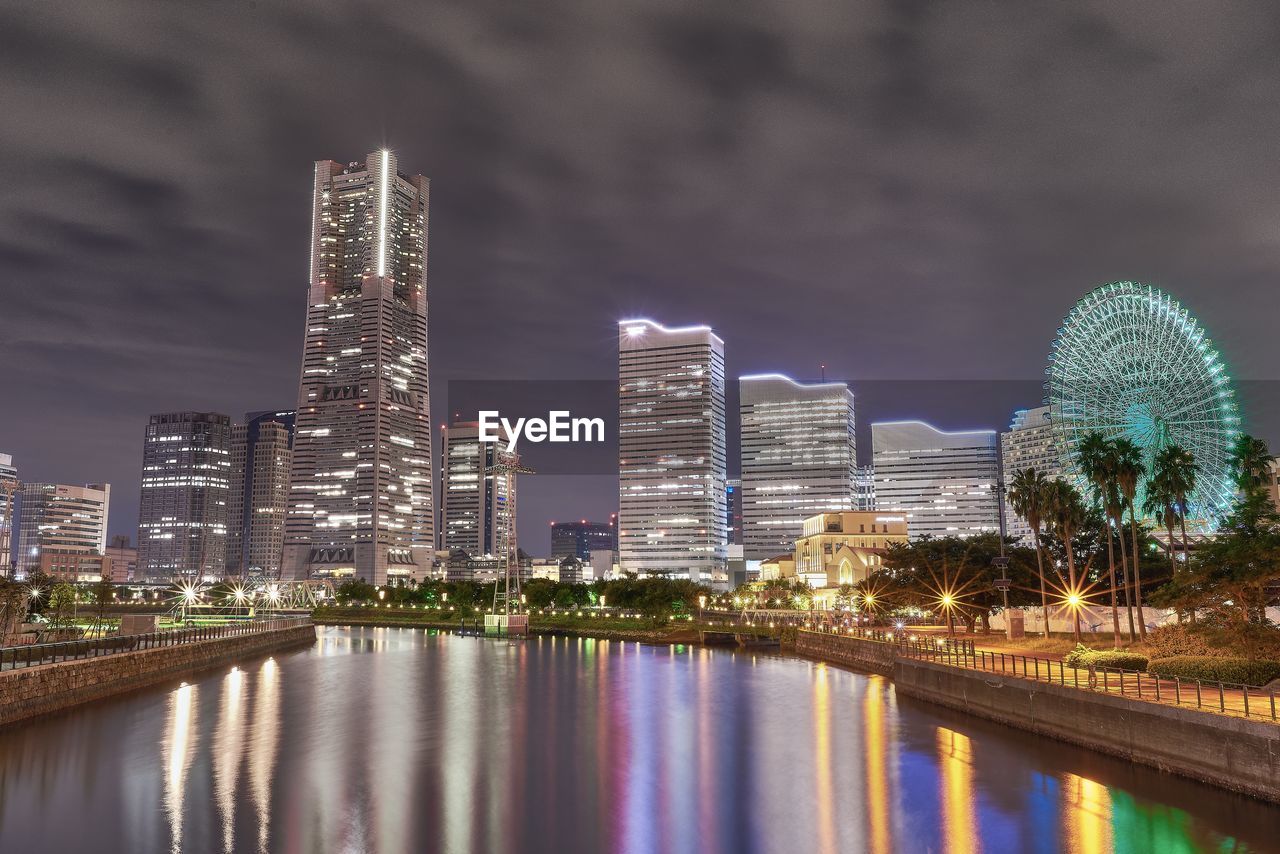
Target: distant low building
{"points": [[580, 539], [778, 567], [846, 547], [571, 570], [60, 518], [124, 559], [77, 567]]}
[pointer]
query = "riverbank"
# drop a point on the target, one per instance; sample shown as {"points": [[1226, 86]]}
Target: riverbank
{"points": [[601, 627], [1233, 753], [42, 689]]}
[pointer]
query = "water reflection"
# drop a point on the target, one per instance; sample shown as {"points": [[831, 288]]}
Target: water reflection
{"points": [[396, 740], [179, 746]]}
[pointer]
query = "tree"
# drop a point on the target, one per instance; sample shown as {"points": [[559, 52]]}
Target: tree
{"points": [[62, 605], [1097, 459], [1129, 471], [1160, 504], [1251, 463], [1175, 466], [1027, 494], [1066, 512], [104, 592], [14, 600]]}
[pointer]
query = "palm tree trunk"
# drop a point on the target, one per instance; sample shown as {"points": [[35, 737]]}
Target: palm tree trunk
{"points": [[1044, 595], [1137, 573], [1111, 566], [1124, 576]]}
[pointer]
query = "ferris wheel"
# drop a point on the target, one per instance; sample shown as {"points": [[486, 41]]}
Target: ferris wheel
{"points": [[1130, 361]]}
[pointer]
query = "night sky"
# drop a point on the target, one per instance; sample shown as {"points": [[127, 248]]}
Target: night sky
{"points": [[902, 191]]}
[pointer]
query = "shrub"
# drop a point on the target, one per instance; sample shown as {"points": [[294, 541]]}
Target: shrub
{"points": [[1167, 641], [1241, 671], [1117, 659]]}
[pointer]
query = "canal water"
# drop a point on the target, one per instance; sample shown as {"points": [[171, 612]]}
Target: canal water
{"points": [[396, 740]]}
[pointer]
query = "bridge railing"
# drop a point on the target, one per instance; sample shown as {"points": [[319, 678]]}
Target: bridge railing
{"points": [[31, 655]]}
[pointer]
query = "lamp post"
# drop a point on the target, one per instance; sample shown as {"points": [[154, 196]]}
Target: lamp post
{"points": [[1002, 584], [702, 603]]}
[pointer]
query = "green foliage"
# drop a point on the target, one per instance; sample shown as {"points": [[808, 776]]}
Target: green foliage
{"points": [[355, 590], [62, 605], [1241, 671], [1117, 659], [1250, 463], [1177, 639]]}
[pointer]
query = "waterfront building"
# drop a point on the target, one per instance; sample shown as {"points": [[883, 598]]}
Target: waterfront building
{"points": [[864, 488], [360, 497], [9, 486], [798, 457], [846, 547], [671, 451], [261, 457], [1028, 443], [124, 559], [580, 539], [60, 519], [944, 483], [186, 485], [478, 503]]}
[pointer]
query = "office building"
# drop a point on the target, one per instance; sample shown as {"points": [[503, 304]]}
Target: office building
{"points": [[360, 502], [671, 451], [186, 484], [580, 539], [1028, 443], [56, 521], [124, 559], [733, 511], [261, 456], [9, 486], [477, 492], [944, 483], [798, 458], [864, 488]]}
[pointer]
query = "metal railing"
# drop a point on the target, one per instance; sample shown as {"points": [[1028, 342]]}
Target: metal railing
{"points": [[31, 655], [1227, 698]]}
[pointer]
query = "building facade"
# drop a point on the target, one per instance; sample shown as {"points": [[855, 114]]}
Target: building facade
{"points": [[944, 483], [9, 486], [1028, 443], [477, 495], [733, 511], [360, 497], [845, 548], [60, 523], [580, 539], [798, 458], [261, 461], [864, 488], [186, 485], [124, 559], [671, 451]]}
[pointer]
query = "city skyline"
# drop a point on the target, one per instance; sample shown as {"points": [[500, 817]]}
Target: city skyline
{"points": [[955, 226]]}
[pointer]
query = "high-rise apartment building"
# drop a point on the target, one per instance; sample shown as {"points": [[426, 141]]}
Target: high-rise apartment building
{"points": [[798, 458], [582, 539], [360, 501], [671, 451], [56, 520], [186, 485], [477, 494], [1027, 444], [261, 456], [9, 486], [944, 483]]}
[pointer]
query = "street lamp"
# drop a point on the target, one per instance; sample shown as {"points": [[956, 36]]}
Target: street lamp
{"points": [[702, 603], [1002, 584]]}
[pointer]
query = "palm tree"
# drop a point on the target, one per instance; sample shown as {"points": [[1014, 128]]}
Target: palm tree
{"points": [[1177, 467], [1027, 494], [1161, 503], [1066, 512], [1129, 470], [1097, 460], [1251, 461]]}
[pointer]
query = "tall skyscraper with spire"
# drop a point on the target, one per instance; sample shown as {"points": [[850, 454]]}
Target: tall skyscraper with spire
{"points": [[360, 502]]}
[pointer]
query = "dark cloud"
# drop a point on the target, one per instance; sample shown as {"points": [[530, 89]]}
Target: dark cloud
{"points": [[899, 190]]}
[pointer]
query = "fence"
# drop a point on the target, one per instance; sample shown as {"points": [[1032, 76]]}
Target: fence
{"points": [[1228, 698], [50, 653]]}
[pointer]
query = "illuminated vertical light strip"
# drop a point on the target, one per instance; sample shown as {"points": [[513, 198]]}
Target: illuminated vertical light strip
{"points": [[383, 181], [956, 757], [315, 215]]}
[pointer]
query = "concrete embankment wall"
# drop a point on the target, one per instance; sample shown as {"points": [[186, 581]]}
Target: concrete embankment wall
{"points": [[1234, 753], [32, 691]]}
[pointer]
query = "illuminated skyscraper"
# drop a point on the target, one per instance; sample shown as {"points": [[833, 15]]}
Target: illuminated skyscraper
{"points": [[186, 484], [798, 458], [261, 453], [944, 483], [671, 448], [1027, 444], [360, 495], [477, 505], [9, 486], [56, 519]]}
